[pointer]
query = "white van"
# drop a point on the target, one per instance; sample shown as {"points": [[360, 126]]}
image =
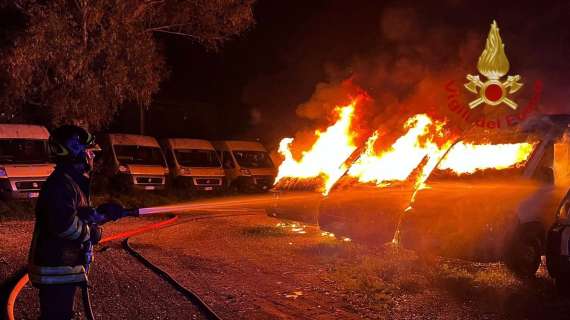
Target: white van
{"points": [[135, 161], [247, 165], [24, 160], [194, 164]]}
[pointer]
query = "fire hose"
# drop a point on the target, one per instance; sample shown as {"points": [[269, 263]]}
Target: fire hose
{"points": [[89, 256], [25, 278], [181, 207], [193, 297], [189, 294]]}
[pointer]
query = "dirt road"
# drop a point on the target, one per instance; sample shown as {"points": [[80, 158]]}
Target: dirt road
{"points": [[122, 288], [252, 268], [255, 267]]}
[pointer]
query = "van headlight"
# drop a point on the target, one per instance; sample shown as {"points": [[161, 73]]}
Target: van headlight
{"points": [[123, 169], [3, 173], [245, 172]]}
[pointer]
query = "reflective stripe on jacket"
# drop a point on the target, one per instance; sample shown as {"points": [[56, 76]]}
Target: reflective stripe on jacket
{"points": [[57, 275], [57, 250]]}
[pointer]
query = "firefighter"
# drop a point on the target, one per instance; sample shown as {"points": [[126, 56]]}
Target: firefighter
{"points": [[66, 226]]}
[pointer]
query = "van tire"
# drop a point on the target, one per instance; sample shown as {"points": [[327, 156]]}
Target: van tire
{"points": [[523, 254], [234, 188]]}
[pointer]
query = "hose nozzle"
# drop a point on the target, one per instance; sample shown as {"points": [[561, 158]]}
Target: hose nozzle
{"points": [[134, 212]]}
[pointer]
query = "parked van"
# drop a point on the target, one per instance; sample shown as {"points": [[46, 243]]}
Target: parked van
{"points": [[24, 160], [247, 165], [194, 164], [134, 161]]}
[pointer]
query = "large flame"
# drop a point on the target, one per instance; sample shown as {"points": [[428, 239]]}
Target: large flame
{"points": [[468, 158], [327, 155], [420, 150], [403, 157]]}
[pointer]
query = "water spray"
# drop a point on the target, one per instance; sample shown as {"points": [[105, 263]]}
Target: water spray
{"points": [[224, 203]]}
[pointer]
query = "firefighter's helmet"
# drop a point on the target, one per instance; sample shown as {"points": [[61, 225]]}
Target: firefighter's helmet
{"points": [[69, 141]]}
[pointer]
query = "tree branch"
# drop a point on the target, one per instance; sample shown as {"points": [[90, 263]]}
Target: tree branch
{"points": [[166, 27], [188, 35], [175, 33]]}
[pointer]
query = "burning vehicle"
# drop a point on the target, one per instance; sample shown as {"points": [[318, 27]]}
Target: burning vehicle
{"points": [[478, 197], [134, 161], [247, 165], [194, 165], [24, 160]]}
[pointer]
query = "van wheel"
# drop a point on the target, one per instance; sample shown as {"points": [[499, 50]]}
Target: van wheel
{"points": [[523, 256], [234, 188]]}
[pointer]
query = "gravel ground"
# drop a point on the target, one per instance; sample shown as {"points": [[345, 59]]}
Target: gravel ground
{"points": [[245, 268], [122, 288], [256, 267]]}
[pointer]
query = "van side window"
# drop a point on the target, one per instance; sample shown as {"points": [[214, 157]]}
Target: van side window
{"points": [[228, 162]]}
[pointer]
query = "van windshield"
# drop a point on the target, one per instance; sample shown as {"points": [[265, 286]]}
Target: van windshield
{"points": [[23, 151], [139, 155], [197, 158], [253, 159]]}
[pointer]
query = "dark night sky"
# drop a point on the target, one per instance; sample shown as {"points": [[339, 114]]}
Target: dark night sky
{"points": [[253, 86]]}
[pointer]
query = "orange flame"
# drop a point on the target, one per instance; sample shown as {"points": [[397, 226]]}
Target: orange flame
{"points": [[468, 158], [403, 157], [422, 149], [327, 156]]}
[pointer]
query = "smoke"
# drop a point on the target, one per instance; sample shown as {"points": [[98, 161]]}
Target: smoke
{"points": [[326, 97], [402, 56], [403, 76]]}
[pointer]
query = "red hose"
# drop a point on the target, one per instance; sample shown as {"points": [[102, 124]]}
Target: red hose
{"points": [[139, 230], [24, 280]]}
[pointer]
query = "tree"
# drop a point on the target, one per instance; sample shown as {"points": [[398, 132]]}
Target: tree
{"points": [[80, 60]]}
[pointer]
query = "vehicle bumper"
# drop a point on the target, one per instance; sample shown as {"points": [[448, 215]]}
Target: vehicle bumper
{"points": [[147, 182], [25, 188], [202, 183], [148, 187], [255, 183]]}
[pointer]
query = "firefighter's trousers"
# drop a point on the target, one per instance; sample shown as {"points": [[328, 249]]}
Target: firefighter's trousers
{"points": [[56, 301]]}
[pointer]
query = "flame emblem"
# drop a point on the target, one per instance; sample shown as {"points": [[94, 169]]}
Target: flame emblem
{"points": [[493, 64]]}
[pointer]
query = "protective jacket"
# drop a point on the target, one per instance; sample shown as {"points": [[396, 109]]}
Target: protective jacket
{"points": [[60, 234]]}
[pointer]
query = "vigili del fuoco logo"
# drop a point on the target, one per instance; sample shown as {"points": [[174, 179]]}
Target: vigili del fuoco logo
{"points": [[492, 89], [493, 64]]}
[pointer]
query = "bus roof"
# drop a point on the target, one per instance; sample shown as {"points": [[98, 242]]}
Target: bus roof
{"points": [[23, 131]]}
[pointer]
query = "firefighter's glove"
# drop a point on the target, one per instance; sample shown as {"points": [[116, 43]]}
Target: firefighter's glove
{"points": [[90, 215], [96, 232], [112, 211]]}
